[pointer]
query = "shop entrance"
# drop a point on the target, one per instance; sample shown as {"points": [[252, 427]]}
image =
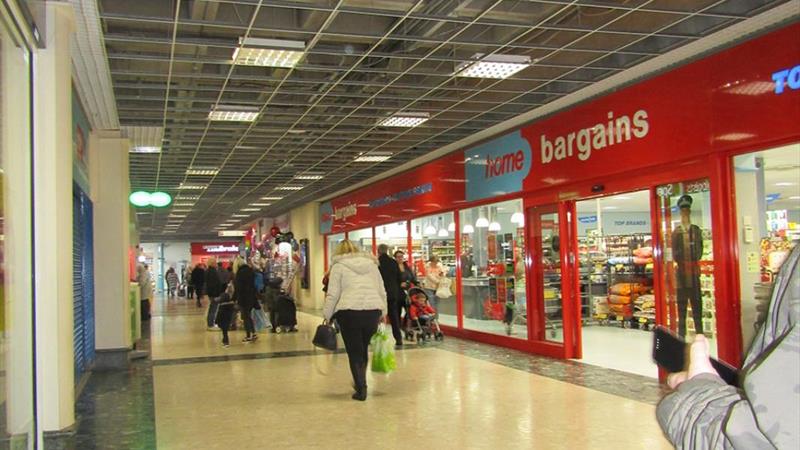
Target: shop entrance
{"points": [[616, 281]]}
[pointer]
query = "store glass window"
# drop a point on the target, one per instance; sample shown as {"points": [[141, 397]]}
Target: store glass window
{"points": [[493, 269], [332, 241], [768, 211], [688, 257], [395, 235], [16, 298], [434, 258], [362, 238]]}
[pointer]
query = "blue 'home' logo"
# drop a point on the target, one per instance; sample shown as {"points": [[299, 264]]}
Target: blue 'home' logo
{"points": [[497, 167]]}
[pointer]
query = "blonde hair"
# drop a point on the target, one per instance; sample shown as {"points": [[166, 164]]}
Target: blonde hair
{"points": [[345, 247], [236, 263]]}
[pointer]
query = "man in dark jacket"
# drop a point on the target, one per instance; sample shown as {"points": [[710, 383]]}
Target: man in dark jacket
{"points": [[392, 278], [198, 280], [245, 295], [214, 288]]}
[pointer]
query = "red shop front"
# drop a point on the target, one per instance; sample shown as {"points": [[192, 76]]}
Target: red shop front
{"points": [[223, 252], [574, 235]]}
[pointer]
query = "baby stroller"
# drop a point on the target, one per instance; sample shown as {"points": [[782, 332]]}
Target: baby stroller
{"points": [[422, 323]]}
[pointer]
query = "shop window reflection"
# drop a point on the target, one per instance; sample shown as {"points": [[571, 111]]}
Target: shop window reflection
{"points": [[362, 238], [493, 269], [434, 262], [688, 275], [333, 241]]}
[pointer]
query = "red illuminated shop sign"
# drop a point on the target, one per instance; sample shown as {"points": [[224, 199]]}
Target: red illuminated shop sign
{"points": [[744, 97], [214, 248]]}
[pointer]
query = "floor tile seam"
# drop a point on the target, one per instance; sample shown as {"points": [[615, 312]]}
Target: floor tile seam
{"points": [[562, 364]]}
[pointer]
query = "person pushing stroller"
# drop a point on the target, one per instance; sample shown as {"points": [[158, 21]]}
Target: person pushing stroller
{"points": [[422, 317]]}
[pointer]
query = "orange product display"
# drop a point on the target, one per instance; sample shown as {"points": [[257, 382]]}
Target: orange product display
{"points": [[621, 310], [627, 289], [619, 299]]}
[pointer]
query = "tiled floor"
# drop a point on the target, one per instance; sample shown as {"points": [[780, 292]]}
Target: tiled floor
{"points": [[280, 391]]}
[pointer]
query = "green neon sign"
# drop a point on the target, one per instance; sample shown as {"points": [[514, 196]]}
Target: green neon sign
{"points": [[143, 199]]}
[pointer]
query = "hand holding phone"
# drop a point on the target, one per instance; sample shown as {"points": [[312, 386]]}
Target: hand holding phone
{"points": [[670, 353]]}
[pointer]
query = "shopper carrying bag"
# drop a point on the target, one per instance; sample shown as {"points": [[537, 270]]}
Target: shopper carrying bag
{"points": [[325, 337], [443, 290]]}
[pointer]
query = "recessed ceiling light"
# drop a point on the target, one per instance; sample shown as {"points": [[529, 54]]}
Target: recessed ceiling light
{"points": [[187, 197], [271, 198], [189, 187], [372, 157], [145, 149], [309, 176], [268, 52], [260, 204], [289, 188], [493, 66], [234, 113], [405, 119], [202, 171]]}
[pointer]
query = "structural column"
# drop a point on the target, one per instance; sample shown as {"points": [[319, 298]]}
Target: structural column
{"points": [[53, 222], [108, 156]]}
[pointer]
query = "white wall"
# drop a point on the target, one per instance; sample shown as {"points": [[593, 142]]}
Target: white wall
{"points": [[177, 254], [305, 225]]}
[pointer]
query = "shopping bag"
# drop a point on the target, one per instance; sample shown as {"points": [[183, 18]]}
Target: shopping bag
{"points": [[383, 360], [443, 289], [325, 336], [259, 319]]}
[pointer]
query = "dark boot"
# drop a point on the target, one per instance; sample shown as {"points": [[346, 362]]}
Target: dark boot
{"points": [[360, 382]]}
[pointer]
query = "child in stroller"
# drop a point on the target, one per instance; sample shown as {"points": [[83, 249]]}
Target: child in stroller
{"points": [[422, 318]]}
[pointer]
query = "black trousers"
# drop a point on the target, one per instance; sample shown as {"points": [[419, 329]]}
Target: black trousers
{"points": [[685, 296], [190, 291], [357, 329], [394, 318], [247, 318]]}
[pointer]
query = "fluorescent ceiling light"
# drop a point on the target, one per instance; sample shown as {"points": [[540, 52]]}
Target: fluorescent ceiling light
{"points": [[260, 204], [189, 186], [309, 176], [240, 215], [610, 207], [251, 209], [297, 131], [784, 183], [177, 215], [794, 197], [271, 198], [176, 210], [493, 66], [183, 204], [405, 119], [202, 171], [374, 157], [289, 188], [187, 197], [234, 113], [145, 149], [268, 52], [231, 233]]}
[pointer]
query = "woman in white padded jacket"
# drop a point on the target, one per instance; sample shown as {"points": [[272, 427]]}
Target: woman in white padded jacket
{"points": [[356, 298]]}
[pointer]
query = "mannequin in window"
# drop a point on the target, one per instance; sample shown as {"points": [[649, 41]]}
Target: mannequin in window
{"points": [[687, 249]]}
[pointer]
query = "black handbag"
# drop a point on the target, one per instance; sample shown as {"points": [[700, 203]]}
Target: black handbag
{"points": [[325, 336]]}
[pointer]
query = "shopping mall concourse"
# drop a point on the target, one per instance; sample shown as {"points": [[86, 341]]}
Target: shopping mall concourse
{"points": [[517, 216]]}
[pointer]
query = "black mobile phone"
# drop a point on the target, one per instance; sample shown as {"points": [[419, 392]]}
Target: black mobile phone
{"points": [[669, 352]]}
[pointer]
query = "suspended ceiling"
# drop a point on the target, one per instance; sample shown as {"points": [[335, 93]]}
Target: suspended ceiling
{"points": [[171, 63]]}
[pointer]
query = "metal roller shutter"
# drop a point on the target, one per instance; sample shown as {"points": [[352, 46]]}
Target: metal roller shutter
{"points": [[82, 282]]}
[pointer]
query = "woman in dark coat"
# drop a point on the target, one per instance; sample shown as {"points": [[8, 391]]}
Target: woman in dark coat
{"points": [[245, 295], [407, 280]]}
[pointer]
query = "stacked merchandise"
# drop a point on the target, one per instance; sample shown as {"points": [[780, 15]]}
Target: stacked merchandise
{"points": [[644, 309], [621, 297]]}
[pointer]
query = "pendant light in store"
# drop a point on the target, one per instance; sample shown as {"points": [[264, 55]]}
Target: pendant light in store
{"points": [[468, 229], [494, 226], [443, 233], [452, 227], [518, 218], [482, 221], [430, 230]]}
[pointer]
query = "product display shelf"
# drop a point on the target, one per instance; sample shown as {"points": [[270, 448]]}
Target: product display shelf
{"points": [[444, 249]]}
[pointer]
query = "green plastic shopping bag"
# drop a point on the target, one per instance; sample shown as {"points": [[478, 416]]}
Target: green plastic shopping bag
{"points": [[383, 360]]}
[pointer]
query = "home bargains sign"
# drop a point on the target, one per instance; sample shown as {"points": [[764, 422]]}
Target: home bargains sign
{"points": [[745, 97], [215, 248]]}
